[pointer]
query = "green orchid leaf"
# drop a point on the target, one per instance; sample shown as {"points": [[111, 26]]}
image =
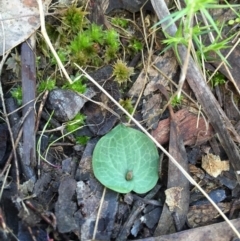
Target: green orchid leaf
{"points": [[126, 160]]}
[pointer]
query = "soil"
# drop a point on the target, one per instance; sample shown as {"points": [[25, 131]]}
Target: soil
{"points": [[48, 188]]}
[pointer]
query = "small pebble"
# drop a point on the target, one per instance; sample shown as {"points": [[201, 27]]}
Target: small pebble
{"points": [[67, 103]]}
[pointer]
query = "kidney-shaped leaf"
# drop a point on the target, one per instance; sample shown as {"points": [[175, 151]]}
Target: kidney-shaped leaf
{"points": [[125, 159]]}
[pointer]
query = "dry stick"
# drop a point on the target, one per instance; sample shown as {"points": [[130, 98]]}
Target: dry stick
{"points": [[51, 223], [186, 62], [20, 108], [185, 173], [12, 152], [28, 76]]}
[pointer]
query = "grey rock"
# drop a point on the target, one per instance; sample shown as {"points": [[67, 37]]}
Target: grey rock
{"points": [[67, 103]]}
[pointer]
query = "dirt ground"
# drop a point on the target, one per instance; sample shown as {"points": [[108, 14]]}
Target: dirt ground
{"points": [[52, 120]]}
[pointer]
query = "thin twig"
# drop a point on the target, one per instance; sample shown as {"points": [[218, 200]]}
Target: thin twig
{"points": [[4, 181], [40, 109], [99, 212], [186, 62]]}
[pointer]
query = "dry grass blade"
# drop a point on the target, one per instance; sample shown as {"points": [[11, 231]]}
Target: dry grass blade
{"points": [[48, 41], [98, 214]]}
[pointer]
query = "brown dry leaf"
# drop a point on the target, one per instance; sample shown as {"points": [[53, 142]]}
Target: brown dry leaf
{"points": [[173, 197], [163, 65], [20, 19], [166, 63], [193, 129], [213, 165], [196, 172]]}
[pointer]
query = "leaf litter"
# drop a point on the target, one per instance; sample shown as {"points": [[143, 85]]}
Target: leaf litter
{"points": [[213, 165], [87, 188]]}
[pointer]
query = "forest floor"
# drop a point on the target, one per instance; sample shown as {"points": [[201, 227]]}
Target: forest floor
{"points": [[65, 144]]}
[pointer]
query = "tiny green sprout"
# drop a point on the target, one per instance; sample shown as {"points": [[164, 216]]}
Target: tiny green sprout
{"points": [[122, 72], [127, 105], [218, 79], [234, 21], [76, 123], [176, 101], [110, 54], [48, 84], [83, 42], [136, 45], [174, 41], [75, 19], [96, 33], [121, 22], [82, 140], [77, 86], [129, 175], [112, 38], [17, 94]]}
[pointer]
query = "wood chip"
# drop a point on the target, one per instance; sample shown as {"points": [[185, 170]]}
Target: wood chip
{"points": [[205, 214], [213, 165], [173, 197]]}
